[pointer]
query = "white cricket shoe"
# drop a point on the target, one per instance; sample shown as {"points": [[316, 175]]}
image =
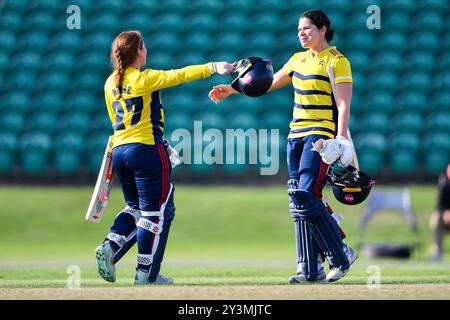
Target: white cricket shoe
{"points": [[141, 278], [301, 278]]}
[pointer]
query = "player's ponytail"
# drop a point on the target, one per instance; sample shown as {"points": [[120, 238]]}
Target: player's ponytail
{"points": [[124, 50], [320, 19]]}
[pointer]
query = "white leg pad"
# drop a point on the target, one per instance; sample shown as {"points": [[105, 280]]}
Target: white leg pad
{"points": [[144, 259], [149, 226], [117, 238]]}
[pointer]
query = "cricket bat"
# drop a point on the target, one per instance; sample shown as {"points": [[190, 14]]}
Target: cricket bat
{"points": [[355, 162], [103, 186]]}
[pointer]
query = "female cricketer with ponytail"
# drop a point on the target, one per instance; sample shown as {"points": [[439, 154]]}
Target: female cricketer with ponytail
{"points": [[316, 115], [140, 158]]}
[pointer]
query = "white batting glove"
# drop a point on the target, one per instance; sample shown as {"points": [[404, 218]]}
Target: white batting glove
{"points": [[346, 151], [173, 154], [329, 150]]}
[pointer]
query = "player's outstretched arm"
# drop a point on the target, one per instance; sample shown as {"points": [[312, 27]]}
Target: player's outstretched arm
{"points": [[223, 91]]}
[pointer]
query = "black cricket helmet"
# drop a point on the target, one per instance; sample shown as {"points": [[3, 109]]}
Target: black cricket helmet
{"points": [[253, 76], [349, 185]]}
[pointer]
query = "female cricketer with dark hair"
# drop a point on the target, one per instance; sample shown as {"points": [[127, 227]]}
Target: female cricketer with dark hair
{"points": [[140, 157], [316, 115]]}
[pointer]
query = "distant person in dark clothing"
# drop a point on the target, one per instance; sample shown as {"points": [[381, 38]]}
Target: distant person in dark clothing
{"points": [[440, 220]]}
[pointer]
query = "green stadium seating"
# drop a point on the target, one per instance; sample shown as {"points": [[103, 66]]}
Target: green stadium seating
{"points": [[404, 162], [439, 121], [32, 41], [177, 120], [55, 80], [7, 40], [376, 121], [49, 101], [4, 61], [404, 141], [47, 5], [439, 140], [210, 6], [432, 20], [436, 161], [400, 21], [94, 61], [267, 21], [43, 21], [394, 41], [180, 6], [361, 40], [39, 142], [360, 61], [34, 163], [73, 142], [412, 101], [442, 81], [13, 122], [163, 42], [370, 142], [211, 120], [191, 58], [101, 124], [383, 81], [407, 122], [61, 61], [8, 141], [28, 61], [67, 162], [238, 22], [202, 22], [82, 102], [98, 41], [422, 61], [242, 120], [110, 6], [262, 42], [150, 7], [371, 162], [11, 20], [275, 121], [198, 41], [25, 81], [416, 82], [142, 22], [444, 62], [45, 122], [387, 61], [441, 101], [17, 101], [401, 5], [76, 122], [173, 21], [427, 41], [160, 61], [379, 102]]}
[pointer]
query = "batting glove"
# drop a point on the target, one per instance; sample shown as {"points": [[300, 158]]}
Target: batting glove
{"points": [[329, 150], [346, 156], [173, 154]]}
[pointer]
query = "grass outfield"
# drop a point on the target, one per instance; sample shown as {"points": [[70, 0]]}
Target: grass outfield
{"points": [[226, 242]]}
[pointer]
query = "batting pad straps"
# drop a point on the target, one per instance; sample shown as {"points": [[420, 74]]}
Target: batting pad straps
{"points": [[117, 238], [144, 259], [135, 213], [149, 226]]}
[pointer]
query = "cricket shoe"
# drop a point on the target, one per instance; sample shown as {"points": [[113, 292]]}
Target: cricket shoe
{"points": [[106, 268], [337, 273], [301, 278], [350, 253], [141, 278]]}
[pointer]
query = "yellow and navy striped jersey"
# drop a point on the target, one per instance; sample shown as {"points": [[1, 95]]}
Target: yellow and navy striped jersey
{"points": [[315, 111], [138, 116]]}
